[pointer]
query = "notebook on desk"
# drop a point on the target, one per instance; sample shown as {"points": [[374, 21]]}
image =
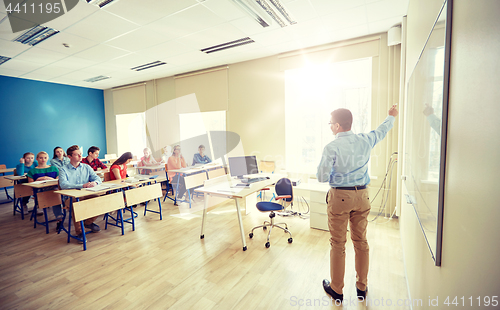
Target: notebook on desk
{"points": [[101, 187]]}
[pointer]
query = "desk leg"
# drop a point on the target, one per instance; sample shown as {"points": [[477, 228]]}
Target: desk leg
{"points": [[241, 224], [34, 211], [69, 217], [176, 191], [46, 220], [84, 237], [159, 205], [204, 217], [7, 193]]}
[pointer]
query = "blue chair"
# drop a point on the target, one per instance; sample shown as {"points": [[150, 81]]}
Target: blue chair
{"points": [[284, 193]]}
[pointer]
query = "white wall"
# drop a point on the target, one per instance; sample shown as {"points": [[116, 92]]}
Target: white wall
{"points": [[471, 211]]}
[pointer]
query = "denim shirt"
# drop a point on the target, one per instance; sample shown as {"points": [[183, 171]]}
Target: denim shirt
{"points": [[345, 159], [71, 177], [59, 163]]}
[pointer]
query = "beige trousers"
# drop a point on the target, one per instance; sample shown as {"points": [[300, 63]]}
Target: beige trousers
{"points": [[344, 206]]}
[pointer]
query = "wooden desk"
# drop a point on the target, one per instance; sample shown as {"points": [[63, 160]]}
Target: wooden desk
{"points": [[3, 171], [151, 169], [223, 189], [36, 186], [6, 183], [190, 171], [102, 204], [16, 179]]}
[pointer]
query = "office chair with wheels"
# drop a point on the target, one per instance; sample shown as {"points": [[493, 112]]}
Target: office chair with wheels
{"points": [[284, 193]]}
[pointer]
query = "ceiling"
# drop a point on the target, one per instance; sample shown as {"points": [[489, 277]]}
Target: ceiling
{"points": [[129, 33]]}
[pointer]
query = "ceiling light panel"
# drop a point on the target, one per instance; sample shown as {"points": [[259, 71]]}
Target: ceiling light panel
{"points": [[4, 59], [35, 35], [255, 11], [101, 3], [97, 78]]}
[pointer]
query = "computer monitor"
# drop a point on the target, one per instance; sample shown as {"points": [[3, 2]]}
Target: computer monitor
{"points": [[243, 165]]}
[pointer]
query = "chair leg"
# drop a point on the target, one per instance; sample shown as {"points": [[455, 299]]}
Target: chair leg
{"points": [[271, 224], [286, 226], [285, 229]]}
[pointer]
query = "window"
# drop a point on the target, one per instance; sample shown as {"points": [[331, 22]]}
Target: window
{"points": [[197, 124], [131, 133], [311, 94]]}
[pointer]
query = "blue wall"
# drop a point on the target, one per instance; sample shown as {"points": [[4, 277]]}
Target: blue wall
{"points": [[38, 116]]}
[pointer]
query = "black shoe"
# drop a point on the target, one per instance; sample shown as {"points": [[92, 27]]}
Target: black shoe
{"points": [[361, 294], [331, 292], [93, 226], [58, 226], [80, 238]]}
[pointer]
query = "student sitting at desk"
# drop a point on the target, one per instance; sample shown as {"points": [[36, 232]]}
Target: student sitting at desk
{"points": [[200, 157], [176, 161], [44, 172], [60, 158], [93, 159], [148, 159], [26, 164], [118, 170], [167, 152], [77, 176]]}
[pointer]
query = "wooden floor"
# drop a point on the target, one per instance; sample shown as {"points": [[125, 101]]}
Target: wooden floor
{"points": [[164, 264]]}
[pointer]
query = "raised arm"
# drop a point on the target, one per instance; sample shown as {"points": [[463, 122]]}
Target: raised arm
{"points": [[377, 135]]}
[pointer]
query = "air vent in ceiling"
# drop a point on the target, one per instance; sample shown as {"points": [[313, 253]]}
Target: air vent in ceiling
{"points": [[36, 35], [227, 45], [101, 3], [97, 78], [149, 65], [4, 59]]}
